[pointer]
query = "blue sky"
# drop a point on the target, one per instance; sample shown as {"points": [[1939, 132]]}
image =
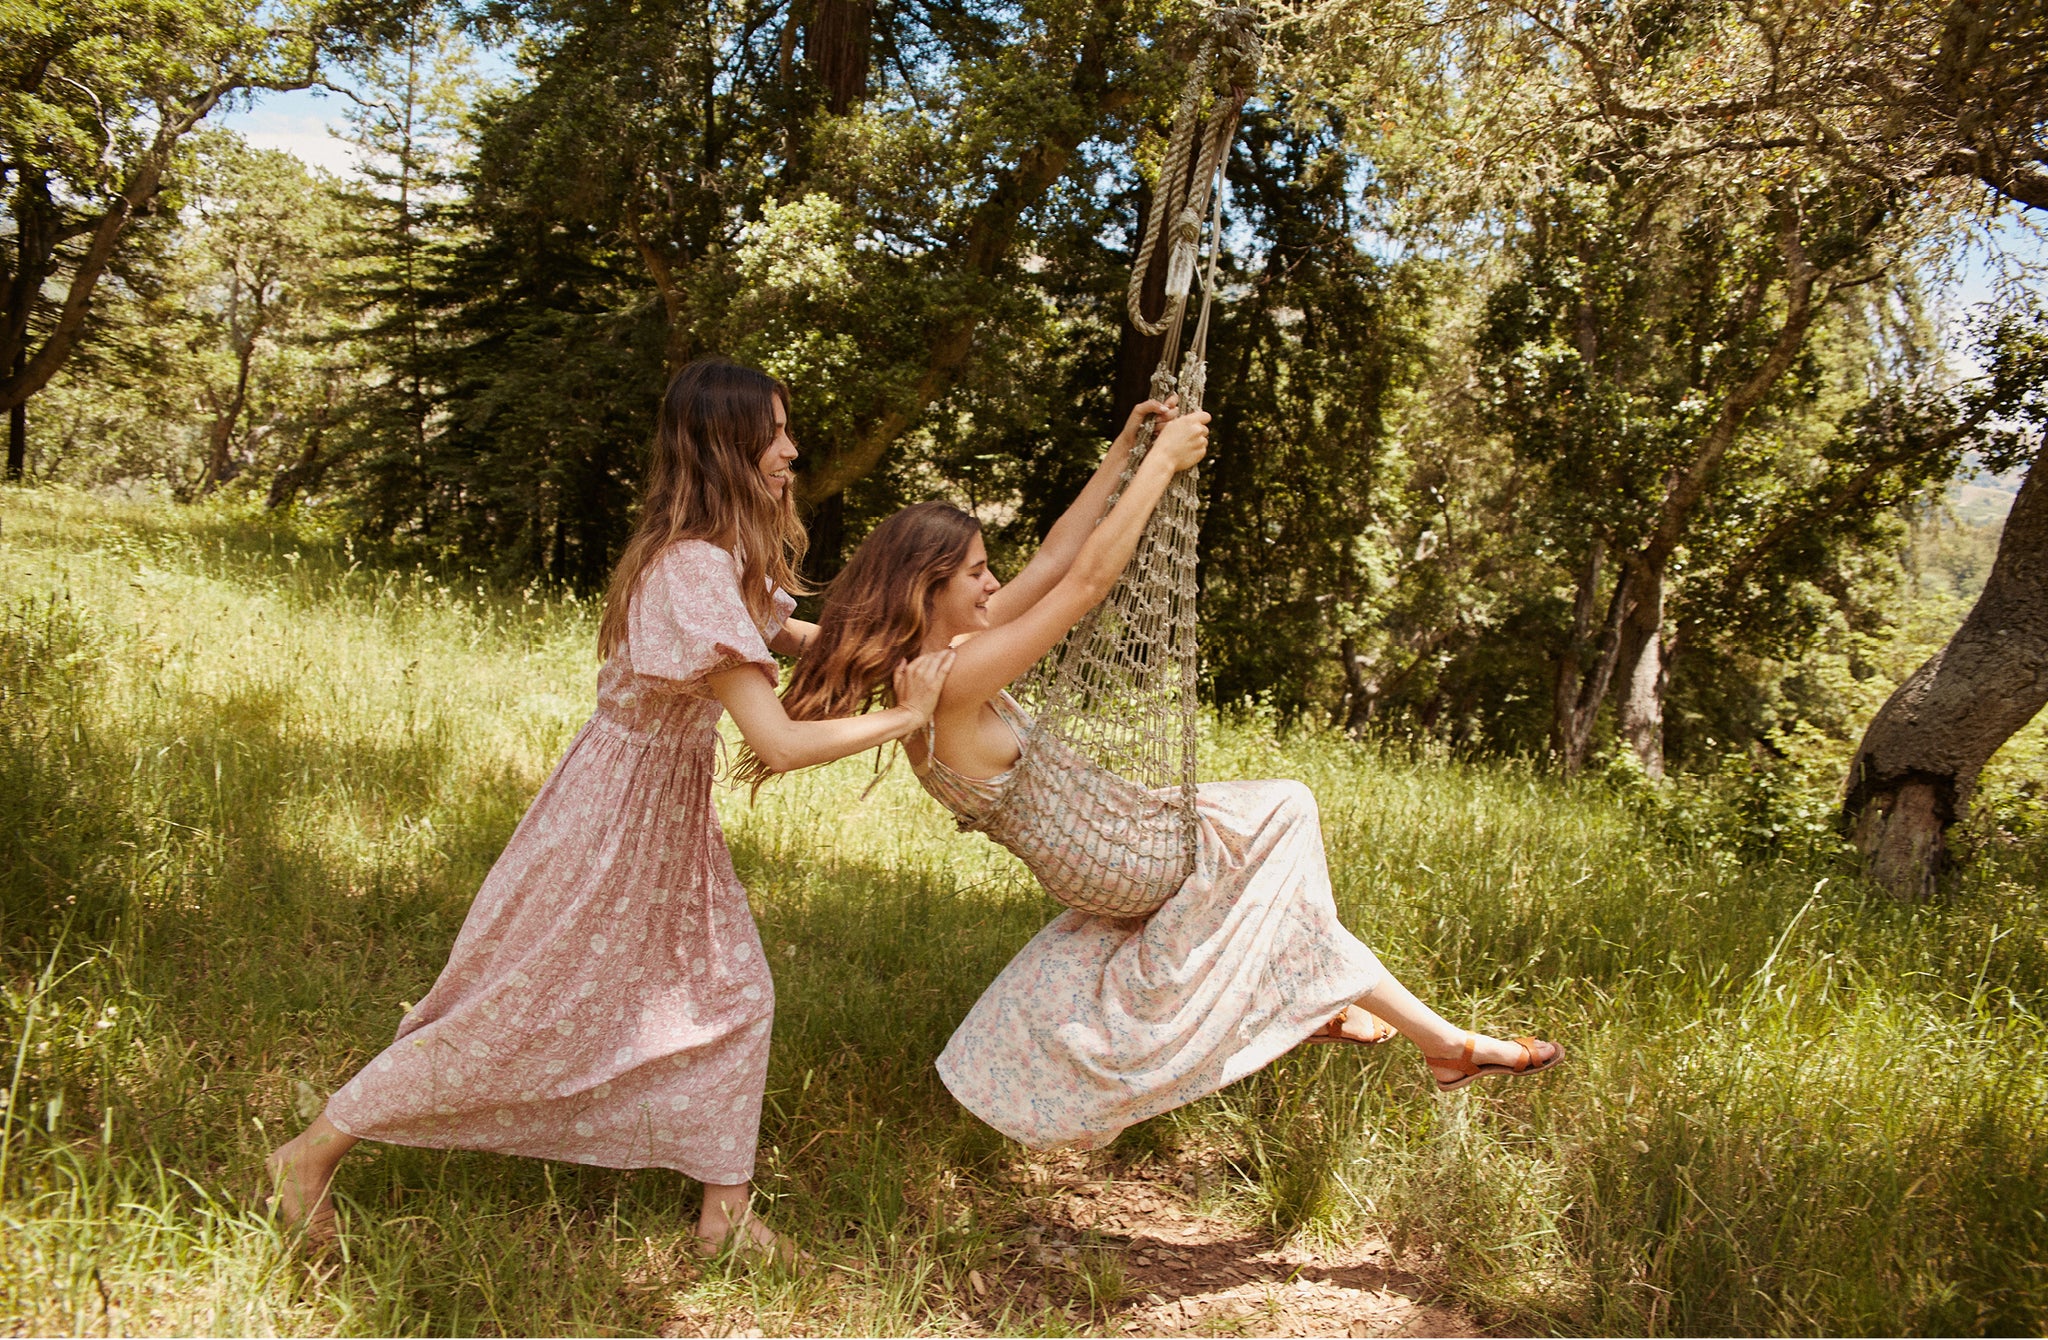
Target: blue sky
{"points": [[298, 123]]}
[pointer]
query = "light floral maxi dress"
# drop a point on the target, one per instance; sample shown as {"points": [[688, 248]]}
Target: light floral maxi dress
{"points": [[1101, 1022], [607, 1001]]}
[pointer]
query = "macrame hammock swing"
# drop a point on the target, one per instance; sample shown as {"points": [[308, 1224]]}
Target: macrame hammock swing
{"points": [[1119, 690]]}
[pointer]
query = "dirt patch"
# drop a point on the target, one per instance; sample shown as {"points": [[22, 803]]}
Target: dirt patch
{"points": [[1099, 1251], [1130, 1255]]}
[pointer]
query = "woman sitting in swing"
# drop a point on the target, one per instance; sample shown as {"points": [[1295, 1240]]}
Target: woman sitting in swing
{"points": [[1101, 1022]]}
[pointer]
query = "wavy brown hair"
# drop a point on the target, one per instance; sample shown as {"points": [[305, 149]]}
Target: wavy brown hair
{"points": [[704, 483], [875, 614]]}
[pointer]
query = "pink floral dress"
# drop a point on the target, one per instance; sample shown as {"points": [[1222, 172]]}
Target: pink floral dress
{"points": [[607, 1001]]}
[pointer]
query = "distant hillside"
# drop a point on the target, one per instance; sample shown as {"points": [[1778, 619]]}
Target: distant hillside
{"points": [[1984, 498]]}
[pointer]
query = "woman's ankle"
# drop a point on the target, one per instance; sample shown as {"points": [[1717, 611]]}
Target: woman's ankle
{"points": [[725, 1207]]}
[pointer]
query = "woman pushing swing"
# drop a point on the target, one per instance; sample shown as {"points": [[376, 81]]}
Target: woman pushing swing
{"points": [[607, 1001]]}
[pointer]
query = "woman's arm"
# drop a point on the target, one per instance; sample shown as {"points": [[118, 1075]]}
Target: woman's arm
{"points": [[1063, 542], [989, 661], [793, 637], [786, 745]]}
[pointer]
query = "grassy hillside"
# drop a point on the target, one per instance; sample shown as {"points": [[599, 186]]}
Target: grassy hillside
{"points": [[248, 785]]}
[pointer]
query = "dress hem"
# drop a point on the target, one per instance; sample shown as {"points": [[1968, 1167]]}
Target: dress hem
{"points": [[1096, 1140], [720, 1180]]}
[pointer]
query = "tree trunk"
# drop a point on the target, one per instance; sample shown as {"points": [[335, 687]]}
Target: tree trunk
{"points": [[1572, 663], [1632, 636], [17, 430], [838, 42], [219, 467], [979, 253], [1365, 692], [1644, 674], [1918, 763], [1582, 684], [103, 233], [982, 251], [826, 522], [217, 439], [302, 474], [293, 479], [1137, 353], [1359, 695]]}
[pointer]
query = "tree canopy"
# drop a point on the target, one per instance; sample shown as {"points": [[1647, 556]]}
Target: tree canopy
{"points": [[1579, 368]]}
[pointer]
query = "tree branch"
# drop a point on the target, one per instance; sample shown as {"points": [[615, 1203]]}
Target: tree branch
{"points": [[1685, 492]]}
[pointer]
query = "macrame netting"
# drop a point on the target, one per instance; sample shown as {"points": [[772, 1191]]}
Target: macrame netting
{"points": [[1119, 690]]}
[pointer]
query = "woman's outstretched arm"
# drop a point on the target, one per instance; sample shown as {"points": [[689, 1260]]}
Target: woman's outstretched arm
{"points": [[988, 661], [786, 745], [1063, 542], [793, 638]]}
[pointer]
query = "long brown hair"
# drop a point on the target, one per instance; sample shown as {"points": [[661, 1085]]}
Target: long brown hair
{"points": [[875, 614], [704, 483]]}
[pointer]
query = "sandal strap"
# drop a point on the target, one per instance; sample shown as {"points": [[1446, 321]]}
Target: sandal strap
{"points": [[1528, 1046], [1463, 1062]]}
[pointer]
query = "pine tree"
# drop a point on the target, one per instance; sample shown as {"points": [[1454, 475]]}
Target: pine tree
{"points": [[411, 95]]}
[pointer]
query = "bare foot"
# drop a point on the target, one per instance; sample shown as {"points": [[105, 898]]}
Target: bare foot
{"points": [[1492, 1056], [1357, 1024], [301, 1196], [749, 1236]]}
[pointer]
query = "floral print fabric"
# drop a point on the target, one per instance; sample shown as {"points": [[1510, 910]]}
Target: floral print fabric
{"points": [[607, 1001], [1101, 1022]]}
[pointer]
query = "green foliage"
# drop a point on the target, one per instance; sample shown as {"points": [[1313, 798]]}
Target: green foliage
{"points": [[1460, 367], [87, 82], [412, 93], [642, 199], [100, 97], [1303, 368], [218, 363]]}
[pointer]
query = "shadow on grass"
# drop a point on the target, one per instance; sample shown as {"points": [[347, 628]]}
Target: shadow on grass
{"points": [[1788, 1108], [212, 955]]}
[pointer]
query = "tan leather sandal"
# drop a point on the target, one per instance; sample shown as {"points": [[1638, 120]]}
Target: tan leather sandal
{"points": [[1381, 1030], [1471, 1070]]}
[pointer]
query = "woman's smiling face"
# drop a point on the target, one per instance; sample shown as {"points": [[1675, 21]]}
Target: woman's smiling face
{"points": [[960, 603], [776, 459]]}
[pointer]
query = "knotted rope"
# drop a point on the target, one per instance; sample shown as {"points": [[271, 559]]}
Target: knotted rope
{"points": [[1119, 690]]}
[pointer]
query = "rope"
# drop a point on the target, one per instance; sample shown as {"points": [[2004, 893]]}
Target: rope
{"points": [[1119, 690], [1183, 197]]}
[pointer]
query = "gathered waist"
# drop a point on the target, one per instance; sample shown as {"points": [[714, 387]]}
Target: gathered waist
{"points": [[687, 737]]}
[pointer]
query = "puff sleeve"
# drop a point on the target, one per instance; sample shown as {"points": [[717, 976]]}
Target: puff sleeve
{"points": [[687, 620]]}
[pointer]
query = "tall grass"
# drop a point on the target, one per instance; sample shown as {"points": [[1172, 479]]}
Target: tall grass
{"points": [[249, 783]]}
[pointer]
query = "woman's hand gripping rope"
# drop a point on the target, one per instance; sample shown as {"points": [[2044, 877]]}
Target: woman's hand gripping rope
{"points": [[1183, 441], [1161, 410]]}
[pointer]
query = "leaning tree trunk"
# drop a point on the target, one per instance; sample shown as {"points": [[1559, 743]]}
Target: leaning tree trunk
{"points": [[17, 431], [1919, 760]]}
